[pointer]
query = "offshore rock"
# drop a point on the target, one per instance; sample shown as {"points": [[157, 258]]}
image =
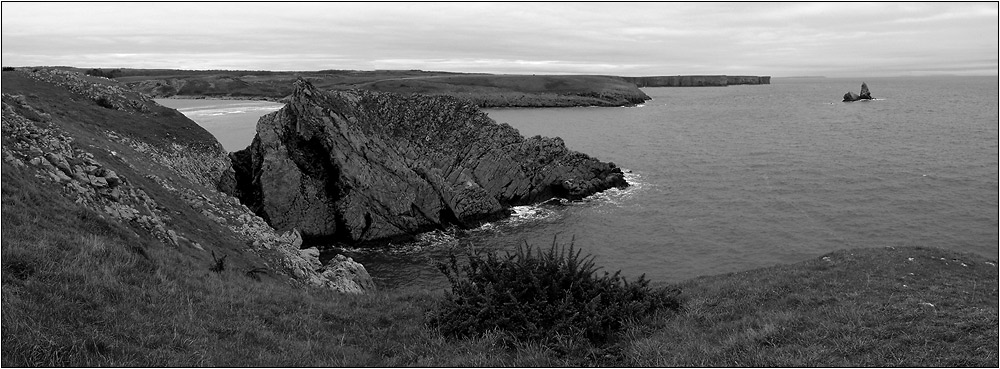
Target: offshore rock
{"points": [[358, 166], [865, 94]]}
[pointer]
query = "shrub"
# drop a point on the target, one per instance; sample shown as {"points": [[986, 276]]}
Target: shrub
{"points": [[543, 296], [219, 263], [105, 102], [110, 74]]}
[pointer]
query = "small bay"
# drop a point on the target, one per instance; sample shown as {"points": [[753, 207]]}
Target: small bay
{"points": [[232, 122]]}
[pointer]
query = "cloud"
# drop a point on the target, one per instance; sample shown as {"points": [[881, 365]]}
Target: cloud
{"points": [[598, 38]]}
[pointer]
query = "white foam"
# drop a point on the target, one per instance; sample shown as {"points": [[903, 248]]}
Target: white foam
{"points": [[617, 196]]}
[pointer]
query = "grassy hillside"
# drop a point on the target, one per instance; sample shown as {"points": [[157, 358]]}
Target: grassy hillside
{"points": [[82, 286]]}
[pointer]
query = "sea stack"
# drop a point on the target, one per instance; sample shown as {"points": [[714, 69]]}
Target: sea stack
{"points": [[865, 94], [360, 166]]}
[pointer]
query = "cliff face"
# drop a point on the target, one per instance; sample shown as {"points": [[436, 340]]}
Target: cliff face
{"points": [[357, 166], [121, 156], [697, 81]]}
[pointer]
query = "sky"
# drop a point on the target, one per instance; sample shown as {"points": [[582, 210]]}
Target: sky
{"points": [[627, 39]]}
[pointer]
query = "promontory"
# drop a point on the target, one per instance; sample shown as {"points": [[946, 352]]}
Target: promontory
{"points": [[358, 166]]}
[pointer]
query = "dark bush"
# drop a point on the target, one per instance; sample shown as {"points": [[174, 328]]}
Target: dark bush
{"points": [[220, 263], [105, 102], [103, 73], [543, 296], [8, 69]]}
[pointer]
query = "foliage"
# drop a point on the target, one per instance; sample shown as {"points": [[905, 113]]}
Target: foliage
{"points": [[105, 102], [103, 73], [544, 296], [219, 264]]}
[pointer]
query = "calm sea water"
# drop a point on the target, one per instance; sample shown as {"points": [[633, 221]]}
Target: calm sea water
{"points": [[233, 122], [741, 177]]}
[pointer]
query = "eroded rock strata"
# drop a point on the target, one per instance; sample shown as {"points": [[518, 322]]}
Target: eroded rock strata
{"points": [[357, 166]]}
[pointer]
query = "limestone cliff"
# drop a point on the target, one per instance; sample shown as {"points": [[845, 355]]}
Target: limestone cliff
{"points": [[357, 166]]}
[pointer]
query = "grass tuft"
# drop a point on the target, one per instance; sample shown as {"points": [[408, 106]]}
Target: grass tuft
{"points": [[554, 297]]}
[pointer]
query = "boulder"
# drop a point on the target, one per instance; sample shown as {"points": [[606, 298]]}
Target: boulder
{"points": [[360, 166], [312, 257], [345, 275]]}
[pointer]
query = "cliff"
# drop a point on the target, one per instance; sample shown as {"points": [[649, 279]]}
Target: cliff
{"points": [[697, 81], [359, 166], [117, 155]]}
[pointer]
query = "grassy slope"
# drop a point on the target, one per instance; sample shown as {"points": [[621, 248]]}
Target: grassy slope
{"points": [[861, 307], [86, 121], [80, 289]]}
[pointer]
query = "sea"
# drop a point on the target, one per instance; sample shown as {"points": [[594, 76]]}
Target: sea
{"points": [[726, 179]]}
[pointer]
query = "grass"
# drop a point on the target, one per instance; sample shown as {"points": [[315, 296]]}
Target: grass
{"points": [[859, 308], [79, 290]]}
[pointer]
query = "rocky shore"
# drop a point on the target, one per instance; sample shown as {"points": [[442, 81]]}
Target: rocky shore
{"points": [[351, 167]]}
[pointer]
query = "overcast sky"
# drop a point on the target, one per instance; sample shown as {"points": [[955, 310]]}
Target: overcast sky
{"points": [[777, 39]]}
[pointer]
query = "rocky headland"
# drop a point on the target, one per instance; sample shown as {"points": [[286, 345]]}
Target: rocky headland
{"points": [[361, 166], [481, 89]]}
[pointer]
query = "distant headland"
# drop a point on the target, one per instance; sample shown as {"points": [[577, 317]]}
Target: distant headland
{"points": [[698, 81], [483, 90]]}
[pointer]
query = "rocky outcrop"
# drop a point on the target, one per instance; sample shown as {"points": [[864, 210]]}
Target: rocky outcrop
{"points": [[865, 94], [42, 145], [165, 189], [358, 166]]}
